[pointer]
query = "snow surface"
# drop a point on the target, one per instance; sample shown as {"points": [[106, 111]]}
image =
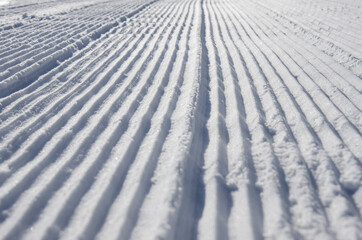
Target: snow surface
{"points": [[181, 119]]}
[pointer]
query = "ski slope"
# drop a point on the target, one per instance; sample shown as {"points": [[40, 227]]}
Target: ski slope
{"points": [[181, 119]]}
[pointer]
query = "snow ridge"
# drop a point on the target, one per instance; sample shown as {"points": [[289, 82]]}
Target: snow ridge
{"points": [[192, 119]]}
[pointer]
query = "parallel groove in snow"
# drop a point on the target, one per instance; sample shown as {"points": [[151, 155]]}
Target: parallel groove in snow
{"points": [[284, 139], [192, 119]]}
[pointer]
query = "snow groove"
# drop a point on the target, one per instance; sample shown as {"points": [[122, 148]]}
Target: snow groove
{"points": [[191, 119]]}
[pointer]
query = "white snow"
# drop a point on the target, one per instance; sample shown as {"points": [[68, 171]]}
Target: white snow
{"points": [[181, 119], [4, 2]]}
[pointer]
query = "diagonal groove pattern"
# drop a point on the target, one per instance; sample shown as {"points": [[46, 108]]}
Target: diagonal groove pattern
{"points": [[191, 119]]}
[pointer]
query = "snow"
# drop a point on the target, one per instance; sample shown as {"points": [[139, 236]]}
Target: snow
{"points": [[4, 2], [191, 119]]}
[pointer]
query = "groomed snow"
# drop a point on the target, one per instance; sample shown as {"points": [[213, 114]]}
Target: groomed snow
{"points": [[181, 119]]}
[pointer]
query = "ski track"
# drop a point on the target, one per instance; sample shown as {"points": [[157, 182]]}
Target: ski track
{"points": [[192, 119]]}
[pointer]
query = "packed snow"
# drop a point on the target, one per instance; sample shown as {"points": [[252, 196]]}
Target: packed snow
{"points": [[181, 119]]}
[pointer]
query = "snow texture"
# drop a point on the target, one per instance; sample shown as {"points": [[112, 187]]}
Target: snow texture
{"points": [[181, 119]]}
